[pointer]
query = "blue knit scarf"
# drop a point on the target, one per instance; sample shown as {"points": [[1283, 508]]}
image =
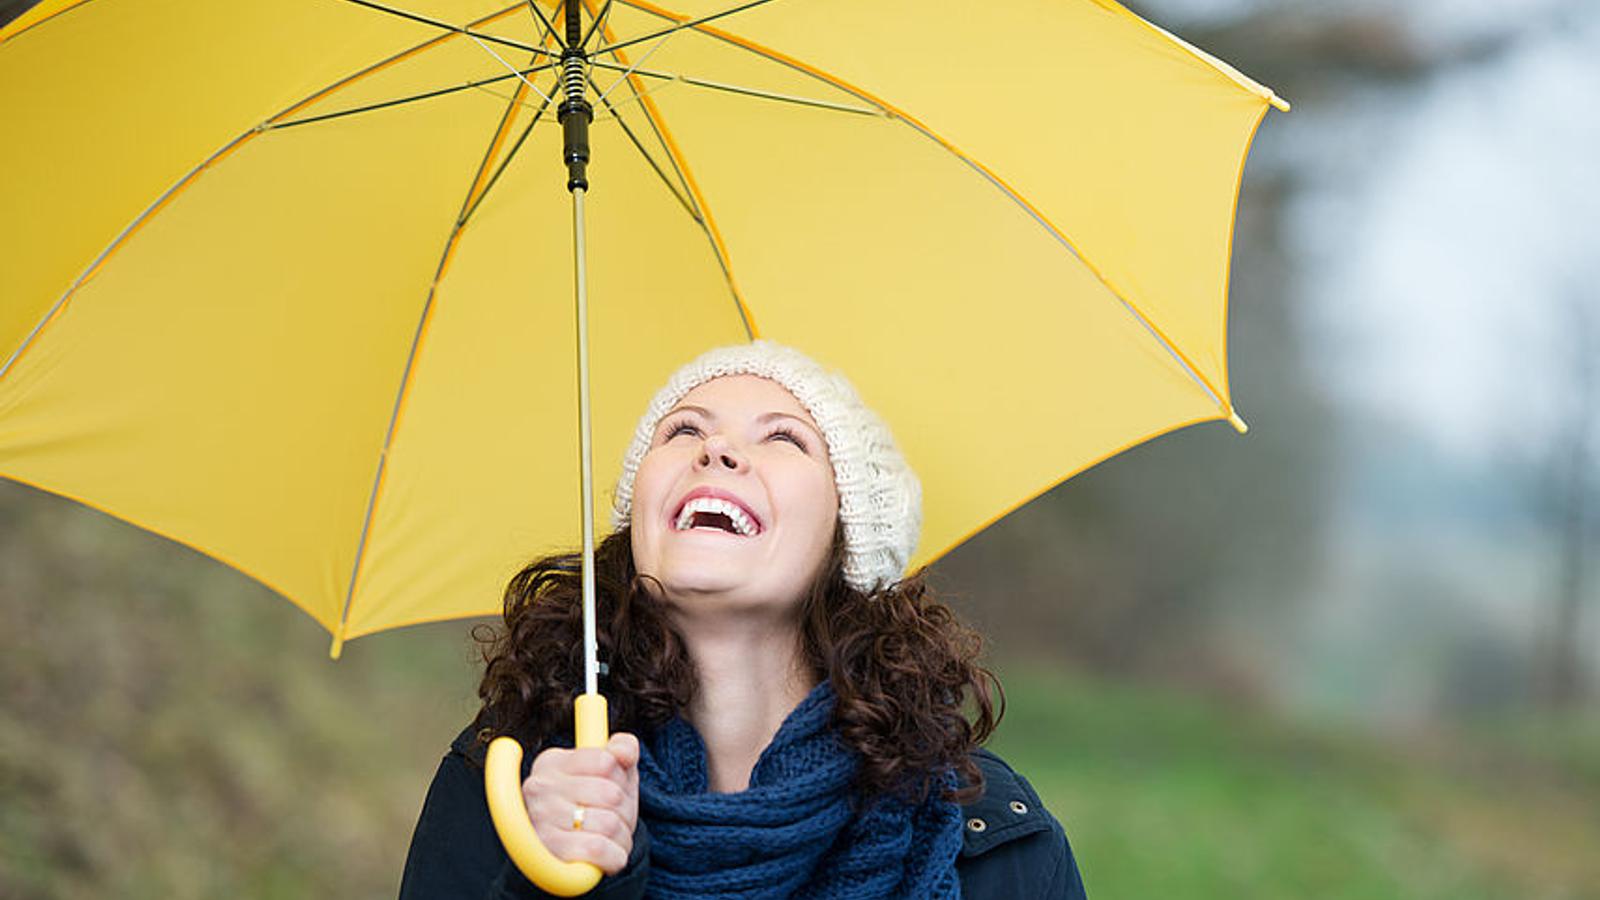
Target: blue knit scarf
{"points": [[795, 832]]}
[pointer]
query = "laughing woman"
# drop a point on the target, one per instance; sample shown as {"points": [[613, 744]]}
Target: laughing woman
{"points": [[791, 710]]}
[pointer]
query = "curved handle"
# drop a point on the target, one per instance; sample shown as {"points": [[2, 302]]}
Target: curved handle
{"points": [[502, 781]]}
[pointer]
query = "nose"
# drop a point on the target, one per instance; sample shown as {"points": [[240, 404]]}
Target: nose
{"points": [[718, 452]]}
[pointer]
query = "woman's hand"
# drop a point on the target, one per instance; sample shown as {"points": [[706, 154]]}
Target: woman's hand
{"points": [[604, 783]]}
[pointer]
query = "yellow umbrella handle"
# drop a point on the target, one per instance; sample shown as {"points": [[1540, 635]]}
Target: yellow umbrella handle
{"points": [[502, 781]]}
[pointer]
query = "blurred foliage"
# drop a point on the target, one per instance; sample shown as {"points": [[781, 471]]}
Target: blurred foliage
{"points": [[171, 729]]}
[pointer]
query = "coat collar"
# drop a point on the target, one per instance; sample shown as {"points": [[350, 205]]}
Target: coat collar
{"points": [[1009, 808]]}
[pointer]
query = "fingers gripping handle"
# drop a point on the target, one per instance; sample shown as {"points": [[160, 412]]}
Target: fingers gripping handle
{"points": [[502, 777]]}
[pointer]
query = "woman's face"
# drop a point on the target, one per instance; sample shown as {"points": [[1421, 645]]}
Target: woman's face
{"points": [[734, 504]]}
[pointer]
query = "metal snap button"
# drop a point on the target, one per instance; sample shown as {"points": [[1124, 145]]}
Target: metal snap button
{"points": [[976, 825], [1018, 807]]}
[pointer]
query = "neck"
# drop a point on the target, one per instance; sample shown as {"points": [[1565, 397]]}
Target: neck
{"points": [[750, 678]]}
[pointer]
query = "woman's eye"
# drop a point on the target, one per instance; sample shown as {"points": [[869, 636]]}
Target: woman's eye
{"points": [[786, 435], [681, 428]]}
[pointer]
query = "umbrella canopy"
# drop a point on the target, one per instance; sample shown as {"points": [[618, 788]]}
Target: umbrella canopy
{"points": [[290, 282]]}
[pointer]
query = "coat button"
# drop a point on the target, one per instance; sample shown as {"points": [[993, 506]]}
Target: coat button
{"points": [[976, 825], [1018, 807]]}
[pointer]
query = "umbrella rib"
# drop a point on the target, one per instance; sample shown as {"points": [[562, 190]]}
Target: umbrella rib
{"points": [[512, 70], [20, 26], [456, 29], [616, 114], [1138, 316], [398, 101], [430, 43], [681, 25], [1223, 68], [635, 67], [116, 242], [188, 178], [636, 96], [594, 25], [680, 166], [511, 154], [480, 187], [736, 89], [272, 122], [475, 193], [549, 29], [999, 183], [878, 108], [631, 68], [546, 35], [671, 158]]}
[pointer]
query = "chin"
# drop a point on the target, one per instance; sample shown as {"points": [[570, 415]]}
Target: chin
{"points": [[698, 587], [709, 593]]}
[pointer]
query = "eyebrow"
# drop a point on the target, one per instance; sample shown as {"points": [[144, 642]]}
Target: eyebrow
{"points": [[688, 407], [762, 419]]}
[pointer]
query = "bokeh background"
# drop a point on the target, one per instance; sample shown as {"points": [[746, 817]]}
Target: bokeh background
{"points": [[1354, 654]]}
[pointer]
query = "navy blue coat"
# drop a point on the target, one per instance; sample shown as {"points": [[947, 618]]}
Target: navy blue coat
{"points": [[1014, 849]]}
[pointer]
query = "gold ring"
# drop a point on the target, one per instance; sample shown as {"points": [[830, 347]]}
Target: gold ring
{"points": [[577, 817]]}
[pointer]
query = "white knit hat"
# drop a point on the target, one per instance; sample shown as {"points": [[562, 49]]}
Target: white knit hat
{"points": [[880, 500]]}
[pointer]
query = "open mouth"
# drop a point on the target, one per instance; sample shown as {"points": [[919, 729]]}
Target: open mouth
{"points": [[716, 514]]}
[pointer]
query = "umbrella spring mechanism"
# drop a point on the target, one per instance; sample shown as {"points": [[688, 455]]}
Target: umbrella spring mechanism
{"points": [[575, 113]]}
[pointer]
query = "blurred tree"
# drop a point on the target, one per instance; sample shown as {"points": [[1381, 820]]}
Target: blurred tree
{"points": [[1571, 501]]}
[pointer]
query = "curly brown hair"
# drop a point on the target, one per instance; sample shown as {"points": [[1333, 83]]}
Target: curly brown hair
{"points": [[903, 667]]}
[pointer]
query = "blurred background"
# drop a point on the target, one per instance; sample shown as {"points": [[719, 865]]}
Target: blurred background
{"points": [[1353, 654]]}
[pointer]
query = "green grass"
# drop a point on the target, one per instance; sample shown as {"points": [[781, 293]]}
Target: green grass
{"points": [[1165, 795]]}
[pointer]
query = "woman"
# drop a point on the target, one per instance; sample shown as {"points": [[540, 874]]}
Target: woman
{"points": [[801, 702]]}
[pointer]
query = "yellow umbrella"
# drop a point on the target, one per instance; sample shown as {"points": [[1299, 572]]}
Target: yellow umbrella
{"points": [[290, 281], [281, 344]]}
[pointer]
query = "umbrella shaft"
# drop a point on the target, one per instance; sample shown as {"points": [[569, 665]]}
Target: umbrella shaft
{"points": [[591, 650], [575, 114]]}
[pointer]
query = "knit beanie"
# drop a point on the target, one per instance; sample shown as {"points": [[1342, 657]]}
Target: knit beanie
{"points": [[880, 499]]}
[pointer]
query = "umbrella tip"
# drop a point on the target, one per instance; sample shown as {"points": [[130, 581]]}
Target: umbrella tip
{"points": [[1278, 103], [338, 645], [1237, 423]]}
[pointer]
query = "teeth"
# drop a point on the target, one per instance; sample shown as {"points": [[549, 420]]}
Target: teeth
{"points": [[737, 516]]}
